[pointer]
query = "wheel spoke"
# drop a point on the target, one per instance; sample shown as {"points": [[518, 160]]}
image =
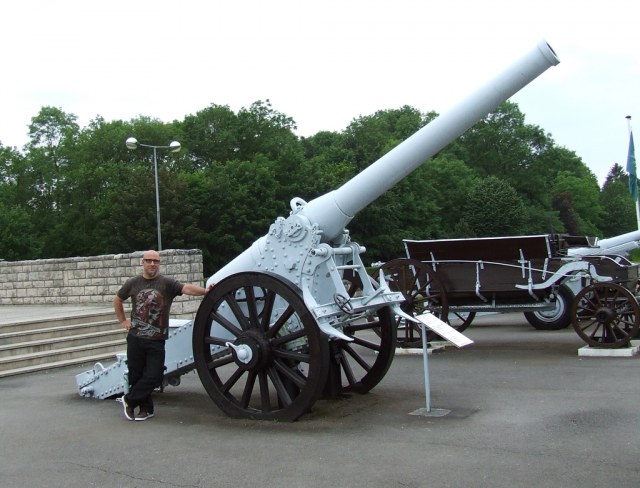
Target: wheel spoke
{"points": [[301, 357], [348, 371], [251, 306], [283, 319], [292, 336], [233, 380], [226, 324], [238, 313], [269, 301], [354, 328], [248, 389], [221, 361], [597, 327], [291, 374], [368, 344], [264, 391], [215, 341], [358, 358], [281, 391]]}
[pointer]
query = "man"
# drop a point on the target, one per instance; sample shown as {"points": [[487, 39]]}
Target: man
{"points": [[151, 296]]}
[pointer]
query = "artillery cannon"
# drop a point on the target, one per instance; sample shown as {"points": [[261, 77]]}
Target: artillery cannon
{"points": [[296, 316]]}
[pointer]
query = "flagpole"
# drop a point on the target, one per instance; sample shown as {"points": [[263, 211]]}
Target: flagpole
{"points": [[631, 158]]}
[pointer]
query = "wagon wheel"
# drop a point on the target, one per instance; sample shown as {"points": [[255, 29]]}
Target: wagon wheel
{"points": [[556, 319], [257, 349], [423, 292], [606, 315], [460, 320], [365, 360]]}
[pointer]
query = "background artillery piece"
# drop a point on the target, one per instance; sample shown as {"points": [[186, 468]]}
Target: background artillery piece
{"points": [[537, 275], [296, 316]]}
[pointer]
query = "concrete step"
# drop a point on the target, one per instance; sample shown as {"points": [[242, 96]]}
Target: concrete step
{"points": [[53, 332], [89, 361], [64, 342], [62, 319], [52, 358], [36, 338]]}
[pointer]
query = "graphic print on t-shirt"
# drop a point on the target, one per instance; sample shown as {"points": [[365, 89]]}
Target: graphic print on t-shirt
{"points": [[148, 312]]}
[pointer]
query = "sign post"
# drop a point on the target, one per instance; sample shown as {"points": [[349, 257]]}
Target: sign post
{"points": [[444, 330]]}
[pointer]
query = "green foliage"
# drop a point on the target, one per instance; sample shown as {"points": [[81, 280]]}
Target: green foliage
{"points": [[578, 198], [493, 208], [451, 180], [617, 204], [80, 191]]}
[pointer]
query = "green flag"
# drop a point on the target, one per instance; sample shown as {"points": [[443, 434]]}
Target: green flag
{"points": [[631, 169]]}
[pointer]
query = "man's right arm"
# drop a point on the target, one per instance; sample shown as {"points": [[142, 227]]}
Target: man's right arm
{"points": [[118, 307]]}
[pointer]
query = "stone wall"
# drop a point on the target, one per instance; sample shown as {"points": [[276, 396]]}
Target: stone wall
{"points": [[94, 280]]}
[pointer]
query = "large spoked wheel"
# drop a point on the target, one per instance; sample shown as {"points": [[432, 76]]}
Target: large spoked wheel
{"points": [[257, 349], [556, 319], [363, 362], [423, 291], [606, 315]]}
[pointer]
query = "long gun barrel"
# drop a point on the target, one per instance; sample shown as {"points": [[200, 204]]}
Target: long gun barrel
{"points": [[336, 209], [621, 244], [333, 211]]}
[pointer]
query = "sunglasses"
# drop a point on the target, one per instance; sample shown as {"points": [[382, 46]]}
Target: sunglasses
{"points": [[149, 261]]}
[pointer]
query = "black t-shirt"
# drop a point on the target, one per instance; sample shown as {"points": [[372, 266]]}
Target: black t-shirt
{"points": [[150, 304]]}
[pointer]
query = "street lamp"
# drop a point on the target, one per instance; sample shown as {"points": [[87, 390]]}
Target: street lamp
{"points": [[132, 143]]}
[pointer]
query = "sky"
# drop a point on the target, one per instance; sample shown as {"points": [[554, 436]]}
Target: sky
{"points": [[322, 63]]}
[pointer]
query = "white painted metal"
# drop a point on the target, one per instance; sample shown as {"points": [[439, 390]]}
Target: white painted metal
{"points": [[620, 245], [102, 382]]}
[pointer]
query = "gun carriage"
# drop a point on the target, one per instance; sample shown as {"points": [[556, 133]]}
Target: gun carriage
{"points": [[552, 278], [296, 317]]}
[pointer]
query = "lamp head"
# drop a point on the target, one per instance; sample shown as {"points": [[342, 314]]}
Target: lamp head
{"points": [[131, 143]]}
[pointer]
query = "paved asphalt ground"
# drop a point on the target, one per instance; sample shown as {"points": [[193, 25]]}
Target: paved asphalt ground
{"points": [[526, 411]]}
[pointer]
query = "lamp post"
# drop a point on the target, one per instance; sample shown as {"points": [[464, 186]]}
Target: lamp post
{"points": [[132, 143]]}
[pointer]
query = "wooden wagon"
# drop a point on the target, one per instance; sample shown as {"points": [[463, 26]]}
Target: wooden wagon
{"points": [[457, 278]]}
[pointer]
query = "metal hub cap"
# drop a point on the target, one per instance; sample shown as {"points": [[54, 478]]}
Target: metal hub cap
{"points": [[605, 315], [251, 351]]}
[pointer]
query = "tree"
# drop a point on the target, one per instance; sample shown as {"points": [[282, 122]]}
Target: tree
{"points": [[18, 237], [212, 136], [502, 144], [493, 208], [582, 194], [52, 134], [450, 181], [327, 164], [370, 137], [563, 203], [41, 181], [617, 204]]}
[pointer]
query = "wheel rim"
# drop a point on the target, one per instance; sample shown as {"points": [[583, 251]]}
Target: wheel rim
{"points": [[364, 361], [423, 291], [257, 349], [606, 315], [552, 315]]}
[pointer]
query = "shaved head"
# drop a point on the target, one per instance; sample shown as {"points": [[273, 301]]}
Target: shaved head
{"points": [[151, 255]]}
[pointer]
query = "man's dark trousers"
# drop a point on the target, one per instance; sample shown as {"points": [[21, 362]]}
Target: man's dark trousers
{"points": [[145, 361]]}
